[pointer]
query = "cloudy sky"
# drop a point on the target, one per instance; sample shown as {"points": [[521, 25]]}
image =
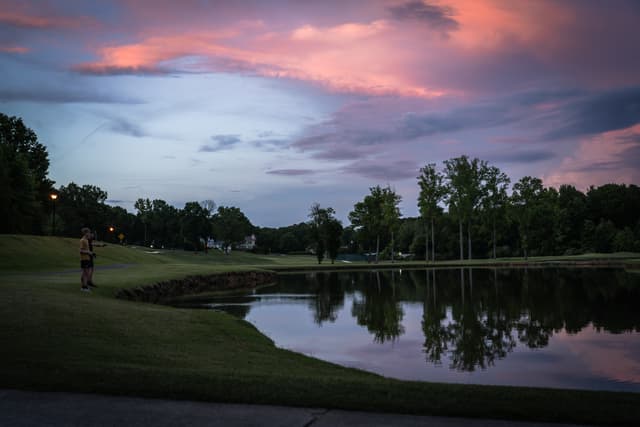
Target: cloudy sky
{"points": [[273, 105]]}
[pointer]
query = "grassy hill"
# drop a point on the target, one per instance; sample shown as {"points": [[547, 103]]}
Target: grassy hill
{"points": [[45, 253], [54, 337]]}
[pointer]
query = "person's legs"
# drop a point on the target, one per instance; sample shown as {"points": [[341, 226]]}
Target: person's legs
{"points": [[84, 278], [90, 275]]}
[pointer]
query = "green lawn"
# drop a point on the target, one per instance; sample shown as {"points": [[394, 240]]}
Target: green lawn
{"points": [[53, 337]]}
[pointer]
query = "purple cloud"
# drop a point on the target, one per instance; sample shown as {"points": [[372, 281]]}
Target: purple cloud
{"points": [[291, 172], [223, 142], [529, 156], [69, 96], [384, 170], [126, 127], [434, 16]]}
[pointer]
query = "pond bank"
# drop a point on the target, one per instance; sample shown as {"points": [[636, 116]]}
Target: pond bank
{"points": [[627, 263], [197, 284]]}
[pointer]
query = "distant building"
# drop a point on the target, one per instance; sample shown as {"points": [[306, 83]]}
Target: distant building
{"points": [[214, 244], [248, 243]]}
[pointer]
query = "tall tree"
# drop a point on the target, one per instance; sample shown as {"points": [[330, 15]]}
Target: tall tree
{"points": [[376, 214], [145, 209], [432, 191], [318, 218], [82, 207], [572, 213], [24, 182], [18, 210], [230, 225], [209, 206], [526, 193], [333, 234], [495, 199], [195, 224], [163, 223], [326, 230], [464, 192]]}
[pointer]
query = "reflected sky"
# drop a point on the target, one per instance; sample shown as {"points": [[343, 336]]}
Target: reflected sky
{"points": [[544, 328]]}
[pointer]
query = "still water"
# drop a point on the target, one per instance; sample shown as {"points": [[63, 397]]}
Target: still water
{"points": [[565, 328]]}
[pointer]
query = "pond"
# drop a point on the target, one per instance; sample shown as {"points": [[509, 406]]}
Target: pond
{"points": [[541, 327]]}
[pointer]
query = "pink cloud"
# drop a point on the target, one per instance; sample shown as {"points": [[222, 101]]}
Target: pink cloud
{"points": [[379, 47], [377, 53], [609, 157], [29, 20], [615, 360], [339, 33], [350, 57], [14, 49]]}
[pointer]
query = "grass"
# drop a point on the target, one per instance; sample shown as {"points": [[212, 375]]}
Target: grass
{"points": [[55, 338]]}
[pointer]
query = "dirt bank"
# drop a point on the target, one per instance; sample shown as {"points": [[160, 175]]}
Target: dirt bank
{"points": [[197, 284]]}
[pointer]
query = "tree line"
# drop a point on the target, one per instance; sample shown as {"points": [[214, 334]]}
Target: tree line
{"points": [[467, 209]]}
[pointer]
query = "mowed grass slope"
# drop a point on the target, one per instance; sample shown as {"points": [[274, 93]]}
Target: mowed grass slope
{"points": [[45, 253], [53, 337]]}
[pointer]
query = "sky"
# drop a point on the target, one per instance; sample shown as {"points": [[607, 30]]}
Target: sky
{"points": [[272, 106]]}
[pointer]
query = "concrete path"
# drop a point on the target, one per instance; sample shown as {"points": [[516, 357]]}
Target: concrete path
{"points": [[22, 408]]}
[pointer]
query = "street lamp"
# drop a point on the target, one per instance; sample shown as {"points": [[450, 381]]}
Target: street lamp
{"points": [[53, 197]]}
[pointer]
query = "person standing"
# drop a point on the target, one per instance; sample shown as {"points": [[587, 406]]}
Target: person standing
{"points": [[90, 283], [86, 259]]}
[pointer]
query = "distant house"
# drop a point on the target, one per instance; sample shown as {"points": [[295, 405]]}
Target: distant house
{"points": [[248, 243], [214, 244]]}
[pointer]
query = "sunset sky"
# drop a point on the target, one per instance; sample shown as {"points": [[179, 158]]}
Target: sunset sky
{"points": [[273, 105]]}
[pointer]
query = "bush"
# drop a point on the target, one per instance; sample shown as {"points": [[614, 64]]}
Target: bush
{"points": [[603, 237], [624, 241]]}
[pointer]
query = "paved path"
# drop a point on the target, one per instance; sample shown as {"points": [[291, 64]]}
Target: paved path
{"points": [[22, 408]]}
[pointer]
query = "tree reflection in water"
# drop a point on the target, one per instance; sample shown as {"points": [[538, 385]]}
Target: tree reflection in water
{"points": [[482, 318], [377, 308], [486, 317], [471, 317], [329, 298]]}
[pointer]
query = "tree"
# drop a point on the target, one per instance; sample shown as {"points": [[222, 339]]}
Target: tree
{"points": [[624, 241], [122, 221], [378, 213], [23, 182], [617, 203], [319, 217], [288, 242], [326, 230], [495, 199], [333, 234], [209, 206], [195, 224], [604, 236], [526, 193], [230, 225], [82, 207], [572, 213], [17, 193], [144, 208], [432, 192], [464, 192], [161, 222]]}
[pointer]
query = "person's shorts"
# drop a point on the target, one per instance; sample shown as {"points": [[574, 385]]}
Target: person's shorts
{"points": [[86, 263]]}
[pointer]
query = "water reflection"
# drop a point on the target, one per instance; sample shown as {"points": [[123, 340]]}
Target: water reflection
{"points": [[377, 308], [467, 320], [329, 297]]}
